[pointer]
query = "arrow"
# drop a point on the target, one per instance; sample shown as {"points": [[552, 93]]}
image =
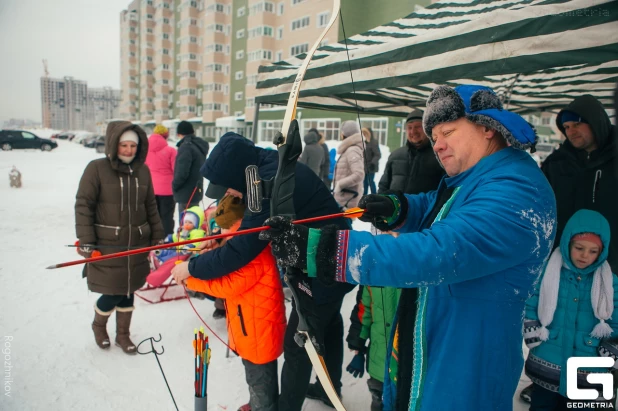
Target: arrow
{"points": [[351, 213]]}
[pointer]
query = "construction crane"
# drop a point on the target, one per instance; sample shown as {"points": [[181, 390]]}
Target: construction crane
{"points": [[46, 97]]}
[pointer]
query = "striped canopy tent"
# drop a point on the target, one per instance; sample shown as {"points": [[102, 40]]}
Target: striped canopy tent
{"points": [[536, 54]]}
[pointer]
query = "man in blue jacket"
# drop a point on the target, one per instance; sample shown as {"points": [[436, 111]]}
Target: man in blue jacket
{"points": [[466, 259], [226, 168]]}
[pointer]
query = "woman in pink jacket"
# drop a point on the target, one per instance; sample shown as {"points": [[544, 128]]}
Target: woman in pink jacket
{"points": [[160, 160]]}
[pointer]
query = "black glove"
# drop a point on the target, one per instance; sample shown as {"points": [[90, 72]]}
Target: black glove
{"points": [[357, 365], [288, 241], [381, 208]]}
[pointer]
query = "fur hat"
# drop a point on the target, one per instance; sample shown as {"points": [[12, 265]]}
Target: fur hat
{"points": [[230, 210], [185, 128], [161, 130], [479, 105]]}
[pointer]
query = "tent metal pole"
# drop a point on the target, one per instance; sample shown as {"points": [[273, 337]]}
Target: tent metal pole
{"points": [[344, 101], [510, 90], [395, 101], [256, 114]]}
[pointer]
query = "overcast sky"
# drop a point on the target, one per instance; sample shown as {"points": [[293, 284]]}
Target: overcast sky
{"points": [[79, 38]]}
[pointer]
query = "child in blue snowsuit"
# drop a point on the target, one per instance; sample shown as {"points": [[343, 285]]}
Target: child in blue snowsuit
{"points": [[572, 311]]}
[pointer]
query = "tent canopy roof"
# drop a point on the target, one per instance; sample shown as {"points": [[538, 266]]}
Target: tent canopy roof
{"points": [[538, 55]]}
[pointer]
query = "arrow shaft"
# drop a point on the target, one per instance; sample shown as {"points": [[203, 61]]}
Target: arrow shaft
{"points": [[193, 241], [102, 246]]}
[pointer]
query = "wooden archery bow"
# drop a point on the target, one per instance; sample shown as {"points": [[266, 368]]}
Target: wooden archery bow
{"points": [[289, 148]]}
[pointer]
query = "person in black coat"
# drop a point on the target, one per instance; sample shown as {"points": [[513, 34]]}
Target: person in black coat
{"points": [[582, 170], [372, 160], [414, 167], [325, 167], [192, 152], [225, 168]]}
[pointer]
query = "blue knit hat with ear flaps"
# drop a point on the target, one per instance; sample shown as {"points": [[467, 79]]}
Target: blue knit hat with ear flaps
{"points": [[480, 105]]}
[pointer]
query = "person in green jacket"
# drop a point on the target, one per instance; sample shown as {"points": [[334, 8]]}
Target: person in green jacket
{"points": [[572, 312], [191, 228], [371, 320]]}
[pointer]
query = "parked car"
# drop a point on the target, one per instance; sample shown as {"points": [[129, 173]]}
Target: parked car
{"points": [[65, 136], [80, 136], [89, 141], [99, 145], [10, 139], [92, 142]]}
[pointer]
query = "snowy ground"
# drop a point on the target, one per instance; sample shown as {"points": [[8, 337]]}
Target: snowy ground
{"points": [[52, 310]]}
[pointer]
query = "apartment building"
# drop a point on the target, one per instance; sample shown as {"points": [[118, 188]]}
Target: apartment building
{"points": [[103, 104], [64, 103], [129, 81], [198, 60]]}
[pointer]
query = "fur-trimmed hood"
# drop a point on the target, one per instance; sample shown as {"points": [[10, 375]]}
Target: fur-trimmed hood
{"points": [[353, 140], [112, 136]]}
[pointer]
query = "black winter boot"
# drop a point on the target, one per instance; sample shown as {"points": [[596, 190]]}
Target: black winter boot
{"points": [[376, 403], [526, 393], [123, 323], [316, 392], [99, 327]]}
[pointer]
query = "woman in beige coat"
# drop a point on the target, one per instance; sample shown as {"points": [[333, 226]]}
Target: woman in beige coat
{"points": [[115, 207], [350, 167]]}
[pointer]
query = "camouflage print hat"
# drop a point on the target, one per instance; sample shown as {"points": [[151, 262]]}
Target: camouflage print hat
{"points": [[230, 210]]}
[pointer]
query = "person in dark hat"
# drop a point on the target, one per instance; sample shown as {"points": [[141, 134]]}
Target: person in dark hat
{"points": [[225, 169], [581, 171], [467, 257], [412, 168], [188, 184]]}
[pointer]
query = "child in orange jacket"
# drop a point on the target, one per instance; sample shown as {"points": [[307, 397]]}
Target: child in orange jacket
{"points": [[255, 308]]}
